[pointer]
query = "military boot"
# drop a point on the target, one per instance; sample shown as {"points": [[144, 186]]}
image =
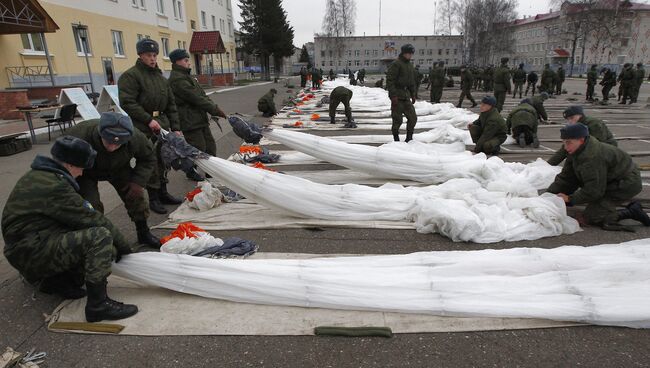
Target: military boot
{"points": [[166, 198], [474, 104], [396, 137], [522, 140], [332, 121], [634, 211], [100, 307], [409, 136], [145, 236], [194, 175], [535, 141], [350, 124], [154, 201], [460, 104], [64, 285]]}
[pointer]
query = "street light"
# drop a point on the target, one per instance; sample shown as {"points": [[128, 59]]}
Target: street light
{"points": [[82, 32]]}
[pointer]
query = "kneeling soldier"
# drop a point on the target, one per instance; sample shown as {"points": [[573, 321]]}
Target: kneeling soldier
{"points": [[56, 239], [266, 105], [523, 122], [599, 176], [489, 131]]}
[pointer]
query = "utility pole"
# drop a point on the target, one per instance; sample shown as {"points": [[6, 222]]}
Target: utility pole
{"points": [[380, 17], [435, 16]]}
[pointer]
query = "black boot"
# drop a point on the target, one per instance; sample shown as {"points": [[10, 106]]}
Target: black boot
{"points": [[522, 140], [154, 201], [474, 104], [535, 141], [166, 198], [409, 136], [396, 137], [332, 121], [100, 307], [194, 175], [145, 236], [63, 285], [634, 211]]}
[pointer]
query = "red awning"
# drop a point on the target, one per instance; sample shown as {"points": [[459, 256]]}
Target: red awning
{"points": [[561, 53], [208, 42]]}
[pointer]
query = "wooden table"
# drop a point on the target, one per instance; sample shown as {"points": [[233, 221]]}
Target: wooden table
{"points": [[28, 117]]}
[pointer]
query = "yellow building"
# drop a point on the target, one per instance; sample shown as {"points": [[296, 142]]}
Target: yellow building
{"points": [[113, 28]]}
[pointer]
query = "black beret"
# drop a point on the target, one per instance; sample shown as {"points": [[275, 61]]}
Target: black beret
{"points": [[574, 131], [489, 100], [178, 54], [74, 151], [573, 110], [408, 49], [147, 45], [115, 128]]}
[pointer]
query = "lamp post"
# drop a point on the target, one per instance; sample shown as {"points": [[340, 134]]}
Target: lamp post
{"points": [[82, 32]]}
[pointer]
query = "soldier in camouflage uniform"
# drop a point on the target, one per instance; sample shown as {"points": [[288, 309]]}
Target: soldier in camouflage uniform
{"points": [[627, 84], [599, 176], [303, 77], [560, 78], [519, 79], [608, 82], [55, 238], [639, 75], [400, 83], [592, 79], [466, 82], [532, 82], [266, 105], [193, 107], [343, 95], [116, 142], [548, 78], [523, 122], [597, 129], [538, 104], [145, 96], [489, 131], [437, 80], [418, 80], [501, 83]]}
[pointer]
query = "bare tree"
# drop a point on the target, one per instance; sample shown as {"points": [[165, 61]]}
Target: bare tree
{"points": [[338, 22]]}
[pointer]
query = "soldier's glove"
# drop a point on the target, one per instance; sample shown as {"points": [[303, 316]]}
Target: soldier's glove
{"points": [[134, 191], [221, 114]]}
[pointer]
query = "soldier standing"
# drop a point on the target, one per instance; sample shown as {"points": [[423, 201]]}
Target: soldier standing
{"points": [[548, 78], [592, 79], [627, 83], [560, 80], [117, 143], [466, 82], [502, 83], [601, 177], [303, 77], [639, 75], [437, 79], [56, 239], [145, 96], [332, 76], [316, 78], [608, 82], [489, 131], [418, 80], [519, 79], [193, 107], [343, 95], [400, 83], [597, 129], [532, 82]]}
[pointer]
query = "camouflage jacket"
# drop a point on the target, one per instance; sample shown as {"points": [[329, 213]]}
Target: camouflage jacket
{"points": [[400, 79], [192, 102]]}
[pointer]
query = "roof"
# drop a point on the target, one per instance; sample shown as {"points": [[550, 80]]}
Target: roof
{"points": [[561, 53], [537, 18], [25, 16], [208, 42], [570, 8]]}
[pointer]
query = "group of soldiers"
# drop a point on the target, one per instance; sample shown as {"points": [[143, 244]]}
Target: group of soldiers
{"points": [[630, 81], [55, 232], [315, 75]]}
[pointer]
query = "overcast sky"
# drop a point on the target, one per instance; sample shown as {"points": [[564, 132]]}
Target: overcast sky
{"points": [[408, 17]]}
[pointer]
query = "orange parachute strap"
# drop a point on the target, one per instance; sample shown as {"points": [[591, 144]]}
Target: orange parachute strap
{"points": [[315, 117], [259, 165], [298, 124], [250, 149], [184, 230], [190, 195], [299, 103], [296, 111], [311, 95]]}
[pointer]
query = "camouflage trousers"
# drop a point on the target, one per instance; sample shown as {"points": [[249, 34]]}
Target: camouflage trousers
{"points": [[532, 87], [519, 87], [202, 139], [436, 94], [137, 208], [603, 210], [334, 104], [489, 146], [160, 171], [403, 108], [501, 99], [590, 91], [466, 92], [47, 254]]}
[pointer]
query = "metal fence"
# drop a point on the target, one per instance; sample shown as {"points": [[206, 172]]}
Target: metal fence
{"points": [[27, 76]]}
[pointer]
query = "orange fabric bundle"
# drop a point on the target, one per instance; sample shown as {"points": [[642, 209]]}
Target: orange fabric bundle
{"points": [[296, 111], [299, 103], [311, 95], [315, 116], [259, 165], [184, 230], [190, 195], [298, 124], [250, 149]]}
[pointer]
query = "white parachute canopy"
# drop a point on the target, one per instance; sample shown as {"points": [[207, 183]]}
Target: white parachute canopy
{"points": [[460, 209], [605, 285]]}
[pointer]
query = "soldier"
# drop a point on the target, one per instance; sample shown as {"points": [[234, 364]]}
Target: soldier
{"points": [[522, 120], [332, 76], [532, 82], [639, 75], [560, 78], [599, 176], [627, 83], [597, 129], [592, 79], [117, 143], [418, 80], [380, 83], [608, 82], [488, 78], [502, 83], [193, 107], [437, 78], [56, 240], [266, 105], [519, 79], [146, 97], [548, 78], [303, 77], [479, 78], [362, 76], [538, 103], [344, 95], [316, 78], [466, 81], [400, 83], [489, 131]]}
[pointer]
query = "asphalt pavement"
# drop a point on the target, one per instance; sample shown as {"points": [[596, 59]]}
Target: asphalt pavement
{"points": [[23, 311]]}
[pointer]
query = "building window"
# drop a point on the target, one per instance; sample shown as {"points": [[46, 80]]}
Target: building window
{"points": [[447, 52], [203, 22], [421, 51], [178, 9], [230, 28], [366, 63], [160, 6], [165, 46], [331, 63], [439, 51], [142, 4], [357, 52], [192, 25], [430, 52], [134, 3], [322, 53], [180, 44], [79, 42], [357, 62], [32, 42], [214, 23], [222, 26], [118, 44], [375, 52], [367, 52]]}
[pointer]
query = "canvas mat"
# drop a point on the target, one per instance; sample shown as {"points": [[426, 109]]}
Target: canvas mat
{"points": [[168, 313]]}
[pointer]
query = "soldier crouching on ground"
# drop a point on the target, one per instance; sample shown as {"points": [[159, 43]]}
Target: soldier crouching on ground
{"points": [[56, 239], [489, 130], [600, 176]]}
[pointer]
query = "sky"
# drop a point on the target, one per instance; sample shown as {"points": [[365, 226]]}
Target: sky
{"points": [[399, 17]]}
